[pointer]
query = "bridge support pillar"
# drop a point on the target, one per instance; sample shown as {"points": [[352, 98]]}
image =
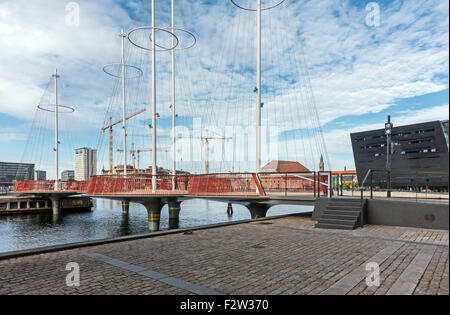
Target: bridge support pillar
{"points": [[174, 214], [125, 223], [125, 206], [56, 205], [153, 206], [258, 210]]}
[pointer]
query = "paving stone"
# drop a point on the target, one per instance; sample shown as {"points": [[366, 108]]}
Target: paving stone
{"points": [[294, 258]]}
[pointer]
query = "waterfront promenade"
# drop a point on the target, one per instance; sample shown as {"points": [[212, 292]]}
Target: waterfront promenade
{"points": [[270, 256]]}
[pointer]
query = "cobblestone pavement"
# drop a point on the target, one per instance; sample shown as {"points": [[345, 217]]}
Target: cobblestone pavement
{"points": [[278, 256]]}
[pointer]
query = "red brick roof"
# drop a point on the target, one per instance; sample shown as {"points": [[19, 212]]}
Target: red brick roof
{"points": [[284, 167]]}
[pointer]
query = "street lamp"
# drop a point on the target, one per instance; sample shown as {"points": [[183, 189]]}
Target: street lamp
{"points": [[388, 132]]}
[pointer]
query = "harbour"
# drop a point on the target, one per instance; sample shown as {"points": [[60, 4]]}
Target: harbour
{"points": [[105, 220], [211, 149]]}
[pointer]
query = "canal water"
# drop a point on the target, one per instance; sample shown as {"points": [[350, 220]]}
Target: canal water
{"points": [[20, 232]]}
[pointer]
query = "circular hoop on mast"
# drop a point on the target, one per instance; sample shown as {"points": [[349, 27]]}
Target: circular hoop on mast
{"points": [[151, 28], [48, 108], [138, 73], [251, 9], [194, 39]]}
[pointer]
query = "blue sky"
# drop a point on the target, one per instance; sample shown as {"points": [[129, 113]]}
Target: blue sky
{"points": [[358, 73]]}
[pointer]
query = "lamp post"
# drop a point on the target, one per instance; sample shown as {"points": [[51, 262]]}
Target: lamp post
{"points": [[388, 132]]}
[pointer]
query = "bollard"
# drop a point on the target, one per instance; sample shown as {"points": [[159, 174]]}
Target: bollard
{"points": [[230, 210]]}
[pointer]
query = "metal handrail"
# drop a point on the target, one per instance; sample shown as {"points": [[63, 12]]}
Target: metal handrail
{"points": [[368, 174], [370, 171]]}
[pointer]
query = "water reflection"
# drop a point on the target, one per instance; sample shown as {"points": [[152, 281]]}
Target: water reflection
{"points": [[174, 224], [107, 221], [57, 219], [125, 224]]}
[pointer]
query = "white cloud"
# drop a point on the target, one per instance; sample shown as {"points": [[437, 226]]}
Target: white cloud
{"points": [[354, 69]]}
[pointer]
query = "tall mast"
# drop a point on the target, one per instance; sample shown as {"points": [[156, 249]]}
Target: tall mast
{"points": [[173, 94], [56, 76], [207, 152], [123, 36], [258, 88], [154, 166], [258, 91], [111, 153]]}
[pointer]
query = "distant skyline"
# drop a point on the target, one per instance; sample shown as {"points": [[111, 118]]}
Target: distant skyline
{"points": [[361, 71]]}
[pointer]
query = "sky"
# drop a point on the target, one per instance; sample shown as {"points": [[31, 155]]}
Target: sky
{"points": [[329, 68]]}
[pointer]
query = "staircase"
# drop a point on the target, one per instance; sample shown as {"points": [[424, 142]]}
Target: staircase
{"points": [[341, 213]]}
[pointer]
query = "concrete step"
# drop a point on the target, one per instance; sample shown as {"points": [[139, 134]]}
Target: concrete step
{"points": [[352, 201], [344, 208], [345, 200], [334, 226], [337, 221], [344, 203], [342, 212], [352, 218]]}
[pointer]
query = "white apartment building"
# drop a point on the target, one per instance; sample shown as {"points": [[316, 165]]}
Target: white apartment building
{"points": [[85, 163]]}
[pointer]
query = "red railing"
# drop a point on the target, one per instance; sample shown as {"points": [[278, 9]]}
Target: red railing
{"points": [[228, 184], [196, 185], [294, 184], [138, 185], [242, 184], [49, 185]]}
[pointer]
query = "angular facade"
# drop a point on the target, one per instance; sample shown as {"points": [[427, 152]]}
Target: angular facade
{"points": [[419, 159], [15, 171]]}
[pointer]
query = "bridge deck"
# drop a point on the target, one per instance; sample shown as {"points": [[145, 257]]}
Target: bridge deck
{"points": [[232, 185]]}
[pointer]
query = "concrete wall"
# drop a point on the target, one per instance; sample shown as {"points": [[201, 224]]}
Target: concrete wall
{"points": [[426, 215], [395, 212]]}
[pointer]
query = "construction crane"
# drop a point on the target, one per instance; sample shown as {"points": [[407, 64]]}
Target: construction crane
{"points": [[147, 136], [111, 145], [207, 138], [133, 153]]}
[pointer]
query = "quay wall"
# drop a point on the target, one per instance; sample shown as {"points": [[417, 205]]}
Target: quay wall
{"points": [[399, 212], [10, 205], [427, 215]]}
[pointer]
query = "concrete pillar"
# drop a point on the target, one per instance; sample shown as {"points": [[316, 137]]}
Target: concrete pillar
{"points": [[28, 204], [125, 206], [56, 205], [8, 205], [258, 210], [153, 206], [125, 224], [174, 214]]}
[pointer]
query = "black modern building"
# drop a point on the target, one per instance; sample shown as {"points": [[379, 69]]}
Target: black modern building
{"points": [[9, 172], [419, 158]]}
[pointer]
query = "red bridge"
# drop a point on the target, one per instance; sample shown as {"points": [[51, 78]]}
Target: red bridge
{"points": [[257, 191]]}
